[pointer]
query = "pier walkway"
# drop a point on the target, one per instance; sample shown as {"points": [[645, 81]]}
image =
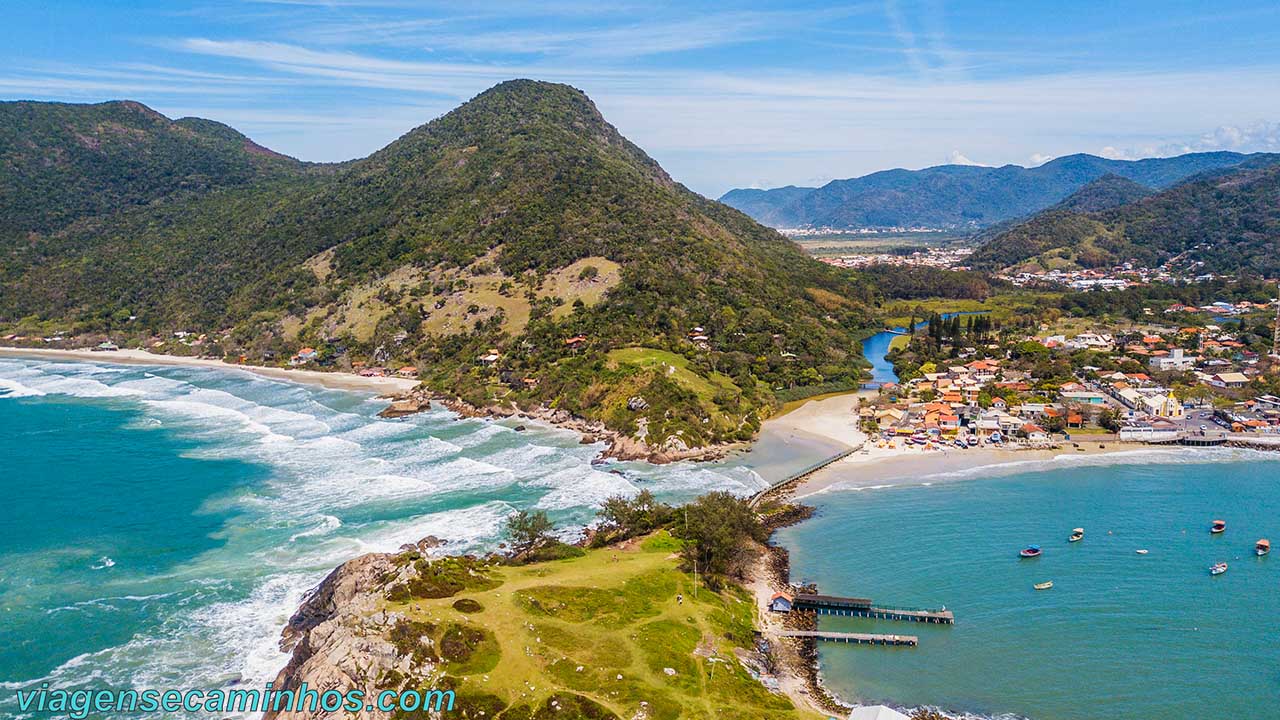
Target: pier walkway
{"points": [[804, 473], [863, 607], [854, 638]]}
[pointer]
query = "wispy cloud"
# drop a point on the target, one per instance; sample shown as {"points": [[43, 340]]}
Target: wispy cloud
{"points": [[721, 95]]}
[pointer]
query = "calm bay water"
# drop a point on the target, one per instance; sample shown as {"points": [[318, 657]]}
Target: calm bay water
{"points": [[160, 524], [1120, 636]]}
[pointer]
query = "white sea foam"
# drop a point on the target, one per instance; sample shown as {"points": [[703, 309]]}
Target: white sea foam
{"points": [[325, 525], [341, 483]]}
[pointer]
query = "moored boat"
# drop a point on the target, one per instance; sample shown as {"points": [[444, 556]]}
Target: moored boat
{"points": [[1030, 551], [1043, 585], [1218, 568], [1142, 552], [1218, 527], [1076, 535], [1262, 547]]}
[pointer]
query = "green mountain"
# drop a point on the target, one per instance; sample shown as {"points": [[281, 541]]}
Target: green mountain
{"points": [[770, 207], [1106, 192], [959, 196], [516, 223], [61, 162], [1219, 222]]}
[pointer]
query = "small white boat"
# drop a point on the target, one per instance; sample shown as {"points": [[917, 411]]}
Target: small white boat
{"points": [[1043, 585], [1076, 535], [1218, 527], [1218, 568], [1263, 547], [1142, 552]]}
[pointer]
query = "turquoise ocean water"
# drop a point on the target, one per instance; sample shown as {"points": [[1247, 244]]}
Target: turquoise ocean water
{"points": [[1120, 636], [159, 525]]}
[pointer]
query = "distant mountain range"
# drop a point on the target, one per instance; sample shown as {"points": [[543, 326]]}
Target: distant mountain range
{"points": [[959, 196], [1224, 221], [521, 227]]}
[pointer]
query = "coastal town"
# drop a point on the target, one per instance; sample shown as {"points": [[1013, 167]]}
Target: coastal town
{"points": [[974, 385]]}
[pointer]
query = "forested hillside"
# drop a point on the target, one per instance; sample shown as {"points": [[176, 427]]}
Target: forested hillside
{"points": [[62, 162], [1221, 223], [517, 249]]}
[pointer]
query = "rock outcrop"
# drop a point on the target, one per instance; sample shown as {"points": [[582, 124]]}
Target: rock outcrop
{"points": [[410, 403], [339, 636]]}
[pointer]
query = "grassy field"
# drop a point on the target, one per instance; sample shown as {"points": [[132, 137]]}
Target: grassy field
{"points": [[863, 244], [598, 636], [1001, 306]]}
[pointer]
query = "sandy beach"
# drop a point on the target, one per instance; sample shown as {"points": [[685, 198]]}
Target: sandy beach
{"points": [[833, 421], [334, 380]]}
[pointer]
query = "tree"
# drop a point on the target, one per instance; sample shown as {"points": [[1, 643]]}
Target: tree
{"points": [[1109, 420], [528, 530], [717, 528], [628, 517]]}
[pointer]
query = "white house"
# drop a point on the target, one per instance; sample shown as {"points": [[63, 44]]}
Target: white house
{"points": [[1175, 360], [1229, 380]]}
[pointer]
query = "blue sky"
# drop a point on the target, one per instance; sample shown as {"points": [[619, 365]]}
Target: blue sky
{"points": [[722, 94]]}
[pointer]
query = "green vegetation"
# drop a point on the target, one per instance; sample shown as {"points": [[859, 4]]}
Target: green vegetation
{"points": [[1002, 307], [1223, 223], [717, 529], [515, 223], [617, 632], [61, 163]]}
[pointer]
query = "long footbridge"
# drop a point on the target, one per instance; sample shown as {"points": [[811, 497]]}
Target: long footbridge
{"points": [[853, 638], [802, 474], [864, 607]]}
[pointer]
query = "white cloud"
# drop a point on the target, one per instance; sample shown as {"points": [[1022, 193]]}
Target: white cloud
{"points": [[1259, 136], [1038, 159], [712, 130], [958, 158]]}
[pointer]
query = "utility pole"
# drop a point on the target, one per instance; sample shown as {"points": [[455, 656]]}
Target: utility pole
{"points": [[1275, 335]]}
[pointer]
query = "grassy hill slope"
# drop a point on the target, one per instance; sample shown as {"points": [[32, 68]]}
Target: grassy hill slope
{"points": [[602, 635]]}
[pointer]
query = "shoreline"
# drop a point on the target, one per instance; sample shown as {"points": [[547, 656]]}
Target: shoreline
{"points": [[799, 672], [332, 380], [407, 396]]}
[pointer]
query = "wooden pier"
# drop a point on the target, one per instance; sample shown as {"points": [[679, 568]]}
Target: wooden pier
{"points": [[863, 607], [854, 638]]}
